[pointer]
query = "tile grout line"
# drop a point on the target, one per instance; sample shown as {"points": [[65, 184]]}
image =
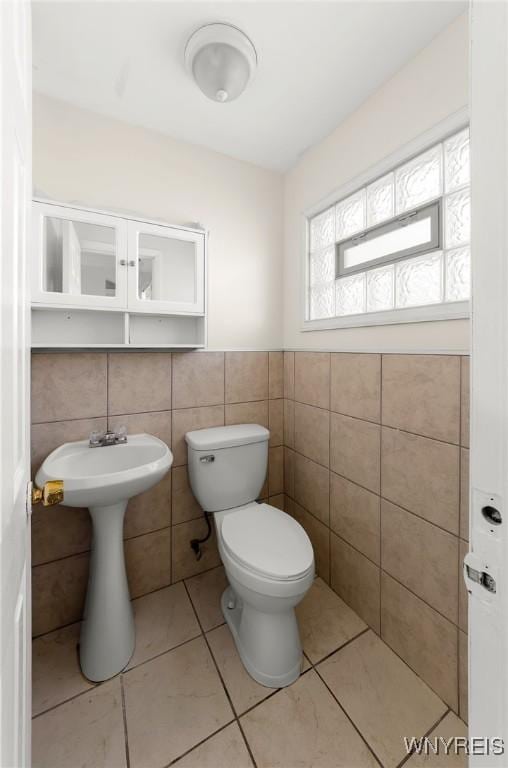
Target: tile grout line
{"points": [[124, 713], [360, 734], [425, 735], [379, 495], [233, 710], [199, 744]]}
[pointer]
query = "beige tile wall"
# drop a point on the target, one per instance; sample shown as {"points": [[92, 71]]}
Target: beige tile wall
{"points": [[371, 452], [165, 394], [376, 465]]}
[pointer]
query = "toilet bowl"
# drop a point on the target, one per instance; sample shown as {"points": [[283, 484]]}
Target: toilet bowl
{"points": [[267, 555]]}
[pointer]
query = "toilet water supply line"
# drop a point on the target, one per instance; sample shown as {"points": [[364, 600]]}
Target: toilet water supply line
{"points": [[196, 543]]}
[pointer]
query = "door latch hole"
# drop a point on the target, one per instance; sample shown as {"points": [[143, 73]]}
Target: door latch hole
{"points": [[492, 514]]}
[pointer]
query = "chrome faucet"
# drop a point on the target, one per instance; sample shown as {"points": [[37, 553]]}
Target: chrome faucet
{"points": [[103, 439]]}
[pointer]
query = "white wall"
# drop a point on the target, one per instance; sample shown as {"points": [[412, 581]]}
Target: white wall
{"points": [[81, 156], [432, 86]]}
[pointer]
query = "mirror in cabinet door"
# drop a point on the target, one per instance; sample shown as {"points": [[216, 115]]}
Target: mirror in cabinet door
{"points": [[80, 258], [166, 269]]}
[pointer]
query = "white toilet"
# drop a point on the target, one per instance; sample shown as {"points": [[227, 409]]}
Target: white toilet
{"points": [[267, 555]]}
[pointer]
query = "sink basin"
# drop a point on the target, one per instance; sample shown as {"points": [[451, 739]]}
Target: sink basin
{"points": [[104, 479], [106, 475]]}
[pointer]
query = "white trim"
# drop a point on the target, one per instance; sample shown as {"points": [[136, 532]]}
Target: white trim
{"points": [[425, 140], [488, 545], [431, 313], [119, 214], [381, 350]]}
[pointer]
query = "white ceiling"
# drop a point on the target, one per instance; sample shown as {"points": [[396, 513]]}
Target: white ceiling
{"points": [[317, 62]]}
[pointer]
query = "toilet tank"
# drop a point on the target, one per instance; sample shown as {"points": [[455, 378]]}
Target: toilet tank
{"points": [[227, 465]]}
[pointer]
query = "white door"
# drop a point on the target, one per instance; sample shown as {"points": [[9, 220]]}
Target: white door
{"points": [[15, 175], [79, 258], [487, 561], [166, 269]]}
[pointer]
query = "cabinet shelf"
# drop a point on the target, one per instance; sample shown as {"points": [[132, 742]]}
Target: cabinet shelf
{"points": [[59, 328]]}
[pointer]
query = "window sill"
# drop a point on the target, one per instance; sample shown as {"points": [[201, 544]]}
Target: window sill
{"points": [[456, 311]]}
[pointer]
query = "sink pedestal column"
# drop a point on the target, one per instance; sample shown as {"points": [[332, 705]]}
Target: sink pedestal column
{"points": [[107, 633]]}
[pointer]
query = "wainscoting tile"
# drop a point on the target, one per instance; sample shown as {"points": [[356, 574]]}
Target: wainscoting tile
{"points": [[184, 563], [277, 501], [139, 382], [149, 511], [189, 419], [355, 450], [289, 423], [312, 433], [58, 593], [56, 675], [302, 726], [464, 401], [289, 472], [227, 749], [289, 375], [87, 731], [356, 385], [356, 580], [276, 470], [276, 421], [157, 423], [421, 393], [463, 676], [181, 696], [255, 412], [311, 487], [163, 619], [58, 532], [312, 378], [184, 505], [148, 562], [198, 379], [464, 494], [420, 556], [275, 375], [422, 637], [47, 437], [68, 386], [325, 621], [354, 515], [381, 695], [319, 535], [421, 475], [246, 376], [205, 591]]}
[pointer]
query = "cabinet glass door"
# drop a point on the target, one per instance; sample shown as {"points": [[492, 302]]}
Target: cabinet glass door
{"points": [[166, 269], [81, 257]]}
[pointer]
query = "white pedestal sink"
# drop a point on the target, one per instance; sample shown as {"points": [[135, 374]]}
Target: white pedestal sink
{"points": [[104, 479]]}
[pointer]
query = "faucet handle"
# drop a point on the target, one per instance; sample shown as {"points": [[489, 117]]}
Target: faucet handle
{"points": [[95, 438], [121, 434]]}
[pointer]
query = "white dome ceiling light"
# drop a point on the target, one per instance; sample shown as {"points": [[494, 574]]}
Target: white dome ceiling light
{"points": [[222, 60]]}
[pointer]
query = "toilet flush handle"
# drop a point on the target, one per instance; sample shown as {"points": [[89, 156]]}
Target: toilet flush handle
{"points": [[208, 459]]}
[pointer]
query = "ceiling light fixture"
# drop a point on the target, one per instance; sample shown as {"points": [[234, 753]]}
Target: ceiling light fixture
{"points": [[222, 60]]}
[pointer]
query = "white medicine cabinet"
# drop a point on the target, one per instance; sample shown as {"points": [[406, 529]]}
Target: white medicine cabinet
{"points": [[109, 281]]}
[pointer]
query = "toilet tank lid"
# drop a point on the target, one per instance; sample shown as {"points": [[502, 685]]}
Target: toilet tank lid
{"points": [[226, 437]]}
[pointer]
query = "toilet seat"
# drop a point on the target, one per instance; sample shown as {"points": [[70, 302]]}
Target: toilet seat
{"points": [[267, 542]]}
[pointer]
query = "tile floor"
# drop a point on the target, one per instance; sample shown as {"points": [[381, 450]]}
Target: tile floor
{"points": [[186, 700]]}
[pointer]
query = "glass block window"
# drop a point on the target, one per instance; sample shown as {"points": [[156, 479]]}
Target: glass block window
{"points": [[401, 241]]}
